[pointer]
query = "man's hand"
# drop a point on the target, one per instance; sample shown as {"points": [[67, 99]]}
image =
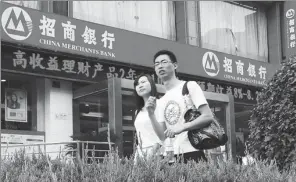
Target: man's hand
{"points": [[173, 131], [151, 105]]}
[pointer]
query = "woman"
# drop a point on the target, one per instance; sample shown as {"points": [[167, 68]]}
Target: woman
{"points": [[13, 103], [150, 132]]}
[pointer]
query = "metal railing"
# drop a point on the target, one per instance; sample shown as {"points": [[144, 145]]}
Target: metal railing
{"points": [[71, 149]]}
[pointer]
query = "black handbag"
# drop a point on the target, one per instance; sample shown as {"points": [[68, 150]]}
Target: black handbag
{"points": [[209, 137]]}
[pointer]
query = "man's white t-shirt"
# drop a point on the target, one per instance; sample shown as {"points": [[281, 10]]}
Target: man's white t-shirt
{"points": [[172, 109], [147, 137]]}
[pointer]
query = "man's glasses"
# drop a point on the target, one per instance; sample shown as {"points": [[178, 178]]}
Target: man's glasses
{"points": [[163, 63]]}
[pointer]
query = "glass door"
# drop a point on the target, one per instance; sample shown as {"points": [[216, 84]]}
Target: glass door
{"points": [[91, 119], [128, 114]]}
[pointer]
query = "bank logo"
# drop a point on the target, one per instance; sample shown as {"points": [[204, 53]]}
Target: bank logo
{"points": [[210, 63], [17, 23], [290, 13]]}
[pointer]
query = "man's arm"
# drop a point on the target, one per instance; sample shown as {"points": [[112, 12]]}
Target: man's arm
{"points": [[202, 121], [200, 102]]}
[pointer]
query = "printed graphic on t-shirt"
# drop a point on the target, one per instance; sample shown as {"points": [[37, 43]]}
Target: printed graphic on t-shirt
{"points": [[172, 112]]}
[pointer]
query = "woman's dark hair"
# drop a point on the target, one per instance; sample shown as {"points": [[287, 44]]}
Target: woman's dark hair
{"points": [[14, 96], [139, 99]]}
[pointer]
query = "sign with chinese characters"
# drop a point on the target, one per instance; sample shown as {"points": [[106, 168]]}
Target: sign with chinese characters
{"points": [[61, 116], [57, 32], [245, 94], [234, 69], [9, 140], [61, 65], [289, 28], [21, 139], [60, 33], [15, 105], [54, 64]]}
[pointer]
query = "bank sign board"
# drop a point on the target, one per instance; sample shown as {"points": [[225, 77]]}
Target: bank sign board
{"points": [[289, 28], [60, 33]]}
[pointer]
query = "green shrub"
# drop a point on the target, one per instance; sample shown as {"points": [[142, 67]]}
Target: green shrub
{"points": [[273, 124], [115, 169]]}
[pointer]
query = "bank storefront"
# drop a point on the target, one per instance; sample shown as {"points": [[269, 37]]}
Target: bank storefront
{"points": [[60, 70]]}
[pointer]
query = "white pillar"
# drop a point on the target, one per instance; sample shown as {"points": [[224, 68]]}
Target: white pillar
{"points": [[40, 104], [58, 114]]}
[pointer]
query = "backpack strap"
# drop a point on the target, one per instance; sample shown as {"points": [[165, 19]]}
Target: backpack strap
{"points": [[185, 90]]}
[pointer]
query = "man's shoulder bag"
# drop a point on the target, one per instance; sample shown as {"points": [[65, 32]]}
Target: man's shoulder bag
{"points": [[208, 137]]}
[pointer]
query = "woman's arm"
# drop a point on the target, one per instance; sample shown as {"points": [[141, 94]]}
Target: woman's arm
{"points": [[159, 127]]}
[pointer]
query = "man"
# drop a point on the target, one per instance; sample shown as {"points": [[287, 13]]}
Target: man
{"points": [[172, 107]]}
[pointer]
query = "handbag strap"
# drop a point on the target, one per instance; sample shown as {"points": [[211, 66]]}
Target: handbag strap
{"points": [[186, 96], [185, 90]]}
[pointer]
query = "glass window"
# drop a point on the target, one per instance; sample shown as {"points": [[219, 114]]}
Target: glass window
{"points": [[16, 102], [93, 113], [60, 7], [220, 112], [234, 29], [155, 18], [90, 121], [128, 113], [242, 117], [28, 4]]}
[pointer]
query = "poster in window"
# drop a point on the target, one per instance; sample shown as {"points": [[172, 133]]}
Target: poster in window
{"points": [[15, 105]]}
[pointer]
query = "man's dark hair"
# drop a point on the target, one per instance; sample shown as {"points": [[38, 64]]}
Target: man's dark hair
{"points": [[166, 52]]}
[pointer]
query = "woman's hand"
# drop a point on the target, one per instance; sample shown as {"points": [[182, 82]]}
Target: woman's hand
{"points": [[172, 132], [151, 105]]}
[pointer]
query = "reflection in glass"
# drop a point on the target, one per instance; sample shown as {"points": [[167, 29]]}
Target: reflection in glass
{"points": [[28, 4], [242, 116], [128, 112], [234, 28], [219, 110], [93, 121]]}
